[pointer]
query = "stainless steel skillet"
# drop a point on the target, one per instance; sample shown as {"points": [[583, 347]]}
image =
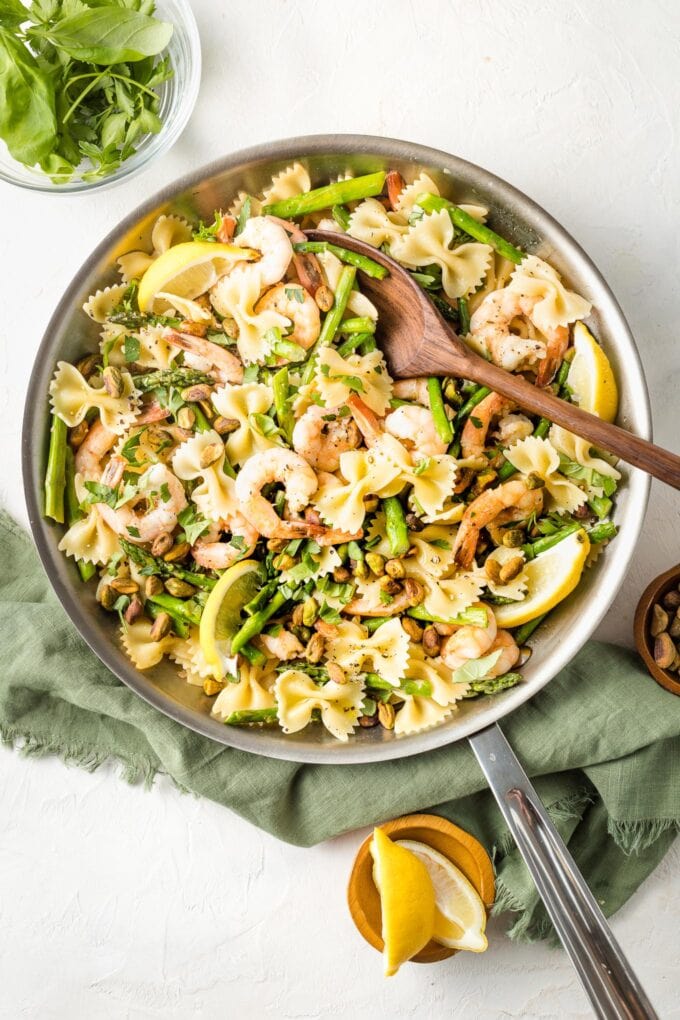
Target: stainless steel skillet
{"points": [[606, 977]]}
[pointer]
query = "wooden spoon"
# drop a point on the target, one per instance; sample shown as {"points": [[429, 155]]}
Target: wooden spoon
{"points": [[417, 341]]}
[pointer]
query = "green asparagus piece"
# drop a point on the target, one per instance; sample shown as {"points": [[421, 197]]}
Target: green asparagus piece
{"points": [[493, 686], [247, 717], [463, 316], [154, 565], [416, 688], [282, 402], [341, 215], [471, 226], [254, 656], [332, 194], [177, 377], [439, 415], [352, 258], [395, 526], [55, 476], [470, 404], [180, 625], [202, 424], [185, 611], [254, 624], [600, 505], [73, 512], [372, 623], [261, 599], [523, 633], [443, 307], [353, 342], [332, 320], [474, 616], [368, 345], [533, 549], [602, 532], [360, 324]]}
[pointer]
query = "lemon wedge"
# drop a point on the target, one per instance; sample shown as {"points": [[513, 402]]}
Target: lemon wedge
{"points": [[188, 270], [221, 617], [591, 378], [460, 915], [550, 578], [407, 901]]}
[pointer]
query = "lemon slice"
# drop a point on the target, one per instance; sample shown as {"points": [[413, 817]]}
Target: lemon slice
{"points": [[591, 378], [406, 900], [188, 270], [550, 578], [221, 617], [460, 915]]}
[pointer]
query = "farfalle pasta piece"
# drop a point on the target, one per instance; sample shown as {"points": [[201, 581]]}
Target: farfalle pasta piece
{"points": [[327, 560], [431, 478], [241, 402], [366, 374], [297, 696], [215, 496], [418, 714], [422, 185], [366, 473], [236, 296], [451, 513], [534, 455], [385, 652], [166, 232], [144, 653], [579, 450], [154, 349], [100, 304], [253, 691], [428, 241], [500, 271], [370, 222], [331, 267], [555, 305], [447, 597], [72, 397], [433, 549], [514, 589], [90, 540], [435, 672], [188, 654], [237, 205], [294, 180]]}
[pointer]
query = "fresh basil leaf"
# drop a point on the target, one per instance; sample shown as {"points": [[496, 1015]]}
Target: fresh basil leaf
{"points": [[110, 35], [100, 493], [28, 122], [132, 348], [193, 523], [476, 669], [12, 13]]}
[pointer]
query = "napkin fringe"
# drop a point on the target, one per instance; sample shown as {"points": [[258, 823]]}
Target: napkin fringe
{"points": [[133, 770], [634, 837]]}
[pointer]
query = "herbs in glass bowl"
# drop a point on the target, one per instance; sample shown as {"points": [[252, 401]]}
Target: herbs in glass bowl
{"points": [[79, 84]]}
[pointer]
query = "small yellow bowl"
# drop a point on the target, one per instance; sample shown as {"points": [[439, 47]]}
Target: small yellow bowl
{"points": [[459, 846]]}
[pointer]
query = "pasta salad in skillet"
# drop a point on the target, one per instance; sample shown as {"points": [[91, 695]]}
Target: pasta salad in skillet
{"points": [[308, 540]]}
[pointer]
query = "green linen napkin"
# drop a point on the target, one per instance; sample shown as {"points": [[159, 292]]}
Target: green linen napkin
{"points": [[602, 742]]}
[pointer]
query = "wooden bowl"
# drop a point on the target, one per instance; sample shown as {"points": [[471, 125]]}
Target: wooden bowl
{"points": [[654, 592], [459, 846]]}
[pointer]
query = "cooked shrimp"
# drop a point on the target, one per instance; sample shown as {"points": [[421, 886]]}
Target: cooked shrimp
{"points": [[96, 444], [413, 389], [490, 325], [227, 367], [210, 552], [476, 428], [146, 524], [152, 412], [270, 238], [283, 645], [415, 428], [321, 441], [299, 307], [506, 644], [513, 427], [468, 642], [486, 508]]}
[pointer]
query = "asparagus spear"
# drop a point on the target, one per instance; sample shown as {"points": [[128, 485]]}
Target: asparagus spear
{"points": [[73, 512], [177, 608], [332, 320], [416, 688], [352, 258], [178, 377], [439, 415], [247, 717], [352, 343], [360, 324], [330, 195], [493, 686], [154, 565], [463, 316], [341, 215], [475, 616], [284, 414], [395, 526], [55, 476], [254, 656], [471, 226], [477, 397], [523, 633], [181, 626], [254, 624]]}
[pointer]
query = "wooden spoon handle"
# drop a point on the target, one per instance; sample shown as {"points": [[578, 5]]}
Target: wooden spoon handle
{"points": [[642, 454]]}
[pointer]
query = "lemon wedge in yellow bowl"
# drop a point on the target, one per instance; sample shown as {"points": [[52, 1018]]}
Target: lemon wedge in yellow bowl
{"points": [[549, 579], [221, 617], [460, 915], [188, 270], [407, 901], [591, 378]]}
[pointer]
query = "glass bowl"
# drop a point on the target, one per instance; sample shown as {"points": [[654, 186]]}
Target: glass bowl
{"points": [[177, 95]]}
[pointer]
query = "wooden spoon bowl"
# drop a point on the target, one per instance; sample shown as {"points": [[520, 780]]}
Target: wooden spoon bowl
{"points": [[654, 592], [459, 846]]}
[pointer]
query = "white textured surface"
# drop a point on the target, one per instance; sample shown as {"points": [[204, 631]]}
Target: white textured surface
{"points": [[119, 903]]}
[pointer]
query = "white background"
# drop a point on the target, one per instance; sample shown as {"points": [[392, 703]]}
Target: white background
{"points": [[115, 902]]}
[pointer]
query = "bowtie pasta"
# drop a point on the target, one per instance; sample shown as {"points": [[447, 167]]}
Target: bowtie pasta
{"points": [[306, 539]]}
